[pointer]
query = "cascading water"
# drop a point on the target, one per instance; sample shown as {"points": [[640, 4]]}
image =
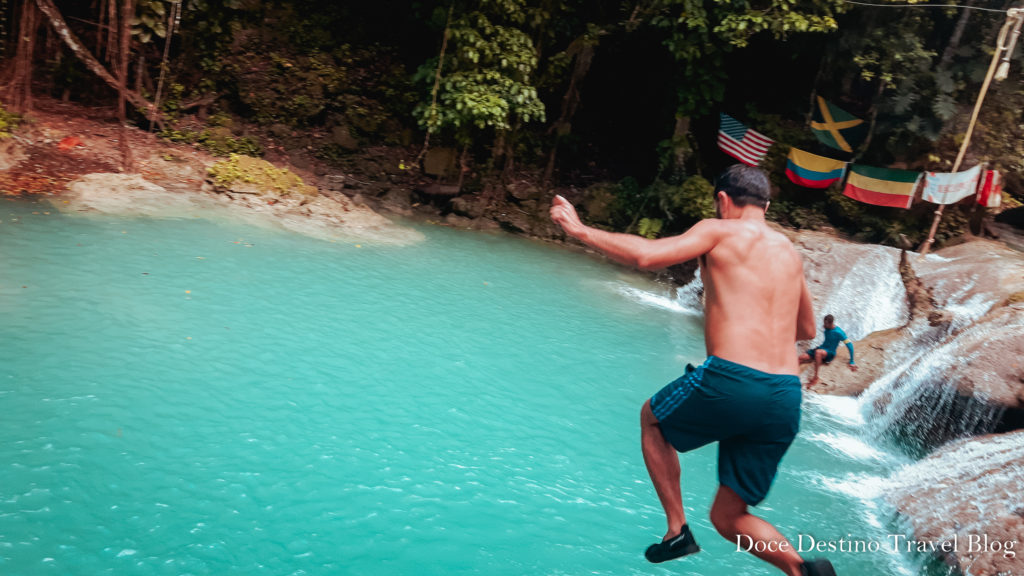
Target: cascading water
{"points": [[870, 296], [860, 285], [940, 383], [915, 406]]}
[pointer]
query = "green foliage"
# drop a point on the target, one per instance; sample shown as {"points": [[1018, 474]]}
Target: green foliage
{"points": [[699, 34], [797, 215], [649, 227], [665, 207], [694, 199], [218, 142], [629, 201], [486, 75], [8, 123], [150, 20], [262, 175], [290, 90]]}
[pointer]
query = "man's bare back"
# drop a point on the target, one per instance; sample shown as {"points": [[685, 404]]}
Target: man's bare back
{"points": [[753, 283]]}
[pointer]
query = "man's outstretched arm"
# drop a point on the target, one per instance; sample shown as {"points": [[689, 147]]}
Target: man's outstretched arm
{"points": [[634, 250]]}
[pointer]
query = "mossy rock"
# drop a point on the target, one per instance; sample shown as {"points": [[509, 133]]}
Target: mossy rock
{"points": [[8, 123], [248, 175]]}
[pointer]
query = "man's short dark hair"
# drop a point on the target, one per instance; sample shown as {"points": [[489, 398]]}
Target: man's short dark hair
{"points": [[745, 185], [829, 319]]}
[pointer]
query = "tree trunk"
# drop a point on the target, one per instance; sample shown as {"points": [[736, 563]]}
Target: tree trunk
{"points": [[111, 32], [510, 153], [873, 119], [124, 24], [99, 28], [140, 73], [171, 20], [19, 91], [437, 86], [951, 48], [954, 39], [82, 53], [584, 49], [3, 29], [463, 164], [680, 150], [497, 150]]}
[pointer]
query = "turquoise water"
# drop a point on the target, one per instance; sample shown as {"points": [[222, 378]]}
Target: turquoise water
{"points": [[185, 397]]}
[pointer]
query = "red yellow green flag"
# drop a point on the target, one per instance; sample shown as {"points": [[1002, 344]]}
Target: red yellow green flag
{"points": [[881, 186]]}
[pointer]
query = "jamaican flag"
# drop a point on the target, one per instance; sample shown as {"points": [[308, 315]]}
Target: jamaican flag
{"points": [[836, 127]]}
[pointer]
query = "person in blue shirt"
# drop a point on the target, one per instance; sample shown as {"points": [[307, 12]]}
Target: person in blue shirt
{"points": [[826, 351]]}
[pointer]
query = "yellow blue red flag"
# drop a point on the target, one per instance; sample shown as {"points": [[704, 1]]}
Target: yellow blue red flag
{"points": [[813, 171]]}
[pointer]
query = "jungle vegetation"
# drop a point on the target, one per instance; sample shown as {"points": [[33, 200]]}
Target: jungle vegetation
{"points": [[619, 99]]}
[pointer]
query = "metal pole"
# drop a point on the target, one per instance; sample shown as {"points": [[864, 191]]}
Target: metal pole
{"points": [[1014, 17]]}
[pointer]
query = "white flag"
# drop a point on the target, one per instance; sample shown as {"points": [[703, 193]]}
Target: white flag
{"points": [[947, 188]]}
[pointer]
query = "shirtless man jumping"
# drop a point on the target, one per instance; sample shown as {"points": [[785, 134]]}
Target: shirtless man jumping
{"points": [[746, 395]]}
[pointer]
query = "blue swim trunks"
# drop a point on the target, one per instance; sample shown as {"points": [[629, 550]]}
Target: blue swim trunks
{"points": [[830, 355], [753, 416]]}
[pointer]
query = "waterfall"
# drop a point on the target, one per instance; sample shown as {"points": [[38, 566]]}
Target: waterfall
{"points": [[869, 296], [691, 295], [918, 407], [945, 383]]}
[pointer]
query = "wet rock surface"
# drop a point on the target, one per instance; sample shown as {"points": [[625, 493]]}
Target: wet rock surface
{"points": [[332, 217], [965, 497]]}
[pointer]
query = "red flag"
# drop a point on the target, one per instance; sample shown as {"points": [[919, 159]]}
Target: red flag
{"points": [[990, 193]]}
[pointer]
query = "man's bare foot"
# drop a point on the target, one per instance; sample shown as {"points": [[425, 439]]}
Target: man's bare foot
{"points": [[813, 381]]}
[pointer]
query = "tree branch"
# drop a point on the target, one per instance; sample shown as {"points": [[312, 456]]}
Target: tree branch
{"points": [[59, 26]]}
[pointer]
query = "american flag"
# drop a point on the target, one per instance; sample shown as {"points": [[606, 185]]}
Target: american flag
{"points": [[746, 145]]}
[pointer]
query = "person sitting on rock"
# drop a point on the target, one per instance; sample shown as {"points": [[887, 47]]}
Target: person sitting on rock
{"points": [[826, 351]]}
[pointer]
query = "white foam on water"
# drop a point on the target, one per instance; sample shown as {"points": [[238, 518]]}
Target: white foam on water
{"points": [[850, 446], [864, 487], [664, 302], [968, 311], [844, 410]]}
